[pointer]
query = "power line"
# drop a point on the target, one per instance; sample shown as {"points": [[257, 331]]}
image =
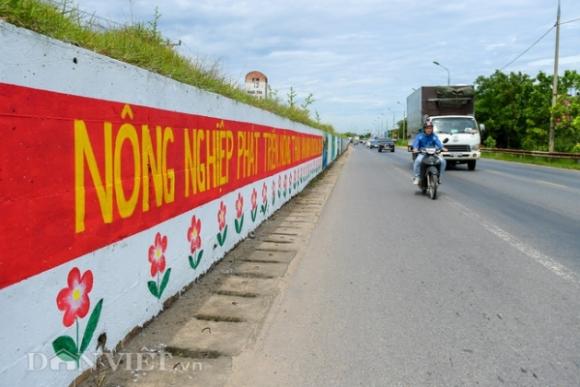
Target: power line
{"points": [[570, 21], [530, 47]]}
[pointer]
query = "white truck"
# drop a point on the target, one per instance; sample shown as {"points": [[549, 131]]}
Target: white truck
{"points": [[450, 108]]}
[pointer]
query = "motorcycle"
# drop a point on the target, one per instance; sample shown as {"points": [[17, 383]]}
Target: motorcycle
{"points": [[430, 171]]}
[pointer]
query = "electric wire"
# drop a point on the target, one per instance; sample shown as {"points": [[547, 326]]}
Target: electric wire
{"points": [[529, 48], [570, 21]]}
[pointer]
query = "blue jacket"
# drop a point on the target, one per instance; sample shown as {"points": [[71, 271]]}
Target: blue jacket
{"points": [[424, 141]]}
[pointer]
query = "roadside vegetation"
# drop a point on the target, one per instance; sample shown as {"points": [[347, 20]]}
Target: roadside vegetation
{"points": [[516, 109], [548, 162], [142, 44]]}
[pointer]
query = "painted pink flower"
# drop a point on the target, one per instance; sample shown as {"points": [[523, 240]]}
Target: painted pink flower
{"points": [[254, 199], [265, 193], [157, 254], [222, 216], [290, 179], [194, 233], [279, 181], [74, 299], [239, 206], [285, 182]]}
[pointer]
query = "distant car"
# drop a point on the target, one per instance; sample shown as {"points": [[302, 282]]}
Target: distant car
{"points": [[385, 143], [373, 144]]}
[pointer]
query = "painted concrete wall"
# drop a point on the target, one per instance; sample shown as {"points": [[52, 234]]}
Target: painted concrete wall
{"points": [[104, 212]]}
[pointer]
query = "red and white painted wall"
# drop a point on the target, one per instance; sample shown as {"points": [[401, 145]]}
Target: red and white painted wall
{"points": [[119, 187]]}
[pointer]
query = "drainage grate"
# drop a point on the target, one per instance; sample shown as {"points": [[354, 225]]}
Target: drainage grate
{"points": [[276, 241], [218, 318], [276, 250], [236, 293], [253, 275], [194, 353], [261, 261]]}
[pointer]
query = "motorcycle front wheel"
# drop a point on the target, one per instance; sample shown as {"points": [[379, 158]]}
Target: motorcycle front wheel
{"points": [[432, 186]]}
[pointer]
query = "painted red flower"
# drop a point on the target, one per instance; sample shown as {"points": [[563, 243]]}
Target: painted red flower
{"points": [[265, 193], [157, 254], [222, 216], [290, 179], [194, 233], [74, 299], [285, 182], [239, 206], [280, 181], [273, 188], [254, 199]]}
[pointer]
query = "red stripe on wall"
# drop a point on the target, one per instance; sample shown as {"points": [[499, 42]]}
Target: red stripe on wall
{"points": [[50, 140]]}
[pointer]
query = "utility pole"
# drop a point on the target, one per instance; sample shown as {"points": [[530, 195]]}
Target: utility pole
{"points": [[554, 84]]}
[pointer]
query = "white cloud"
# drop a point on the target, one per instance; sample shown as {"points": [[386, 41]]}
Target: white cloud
{"points": [[493, 46], [566, 60], [358, 57]]}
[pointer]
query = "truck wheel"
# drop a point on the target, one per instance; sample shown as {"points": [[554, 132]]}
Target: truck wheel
{"points": [[380, 150], [471, 164], [392, 149]]}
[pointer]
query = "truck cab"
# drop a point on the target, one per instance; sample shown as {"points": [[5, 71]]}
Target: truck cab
{"points": [[464, 139]]}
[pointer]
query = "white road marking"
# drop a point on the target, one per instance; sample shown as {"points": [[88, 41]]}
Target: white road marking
{"points": [[512, 176], [536, 166], [544, 260]]}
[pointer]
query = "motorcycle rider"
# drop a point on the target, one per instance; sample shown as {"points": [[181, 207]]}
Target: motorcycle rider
{"points": [[427, 139]]}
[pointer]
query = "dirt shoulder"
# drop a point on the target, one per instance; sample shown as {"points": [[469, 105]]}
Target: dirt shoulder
{"points": [[194, 340]]}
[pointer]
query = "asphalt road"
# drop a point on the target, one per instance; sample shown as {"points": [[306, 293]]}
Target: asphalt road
{"points": [[479, 287]]}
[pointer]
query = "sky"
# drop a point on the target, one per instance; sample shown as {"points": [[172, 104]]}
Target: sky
{"points": [[360, 59]]}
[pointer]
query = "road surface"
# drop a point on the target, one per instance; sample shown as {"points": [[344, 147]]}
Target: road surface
{"points": [[479, 287]]}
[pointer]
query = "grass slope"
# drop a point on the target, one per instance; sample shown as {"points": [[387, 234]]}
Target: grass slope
{"points": [[141, 45]]}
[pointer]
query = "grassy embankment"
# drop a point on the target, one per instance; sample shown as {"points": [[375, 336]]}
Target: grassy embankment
{"points": [[142, 45], [556, 163]]}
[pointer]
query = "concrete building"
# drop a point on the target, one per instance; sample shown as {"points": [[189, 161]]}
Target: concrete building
{"points": [[257, 84]]}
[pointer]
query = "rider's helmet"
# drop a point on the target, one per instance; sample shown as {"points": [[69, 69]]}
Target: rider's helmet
{"points": [[427, 122]]}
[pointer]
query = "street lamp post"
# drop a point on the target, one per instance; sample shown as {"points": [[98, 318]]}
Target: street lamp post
{"points": [[404, 120], [446, 69], [393, 117], [380, 117]]}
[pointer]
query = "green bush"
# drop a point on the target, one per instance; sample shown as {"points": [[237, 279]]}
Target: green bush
{"points": [[490, 142]]}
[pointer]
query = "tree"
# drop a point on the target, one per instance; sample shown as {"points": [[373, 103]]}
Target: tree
{"points": [[516, 109], [309, 100], [500, 103], [401, 125], [292, 97], [567, 115], [537, 113]]}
